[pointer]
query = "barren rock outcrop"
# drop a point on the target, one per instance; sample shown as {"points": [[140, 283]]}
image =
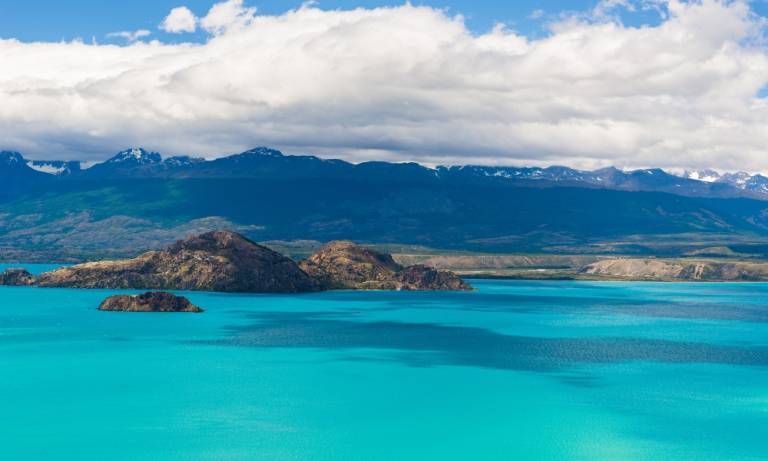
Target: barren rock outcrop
{"points": [[345, 265], [149, 302], [215, 261], [17, 277]]}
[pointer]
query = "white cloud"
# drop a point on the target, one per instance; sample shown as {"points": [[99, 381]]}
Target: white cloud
{"points": [[605, 8], [227, 14], [407, 83], [130, 36], [179, 20]]}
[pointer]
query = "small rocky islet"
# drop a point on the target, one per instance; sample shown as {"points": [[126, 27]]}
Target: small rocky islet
{"points": [[225, 261], [149, 302]]}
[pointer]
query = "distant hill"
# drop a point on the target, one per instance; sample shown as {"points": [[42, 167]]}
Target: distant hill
{"points": [[138, 200]]}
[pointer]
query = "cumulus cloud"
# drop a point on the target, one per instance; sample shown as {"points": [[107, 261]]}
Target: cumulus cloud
{"points": [[227, 14], [130, 36], [179, 20], [407, 83], [221, 17]]}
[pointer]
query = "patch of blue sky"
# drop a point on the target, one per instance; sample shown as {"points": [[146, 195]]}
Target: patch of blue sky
{"points": [[54, 20]]}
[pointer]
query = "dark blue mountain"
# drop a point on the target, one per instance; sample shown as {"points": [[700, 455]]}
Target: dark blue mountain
{"points": [[263, 162], [128, 163], [649, 180], [276, 196], [16, 177]]}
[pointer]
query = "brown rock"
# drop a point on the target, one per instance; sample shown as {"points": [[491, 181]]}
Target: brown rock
{"points": [[216, 261], [677, 269], [345, 265], [17, 277], [149, 302], [422, 277]]}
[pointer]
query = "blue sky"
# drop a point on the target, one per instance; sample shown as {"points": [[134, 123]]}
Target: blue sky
{"points": [[54, 20]]}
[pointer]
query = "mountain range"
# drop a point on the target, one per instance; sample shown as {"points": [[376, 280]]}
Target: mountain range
{"points": [[139, 163], [137, 200]]}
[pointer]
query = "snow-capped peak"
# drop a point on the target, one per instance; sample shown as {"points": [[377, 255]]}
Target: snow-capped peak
{"points": [[182, 160], [706, 175], [263, 152], [136, 156], [739, 178]]}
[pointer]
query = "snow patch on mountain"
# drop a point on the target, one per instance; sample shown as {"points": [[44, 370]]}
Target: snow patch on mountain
{"points": [[136, 156], [47, 167], [262, 152], [182, 160], [739, 179], [11, 158], [706, 175]]}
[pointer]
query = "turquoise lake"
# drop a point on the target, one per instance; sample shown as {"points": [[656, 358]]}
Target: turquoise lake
{"points": [[517, 370]]}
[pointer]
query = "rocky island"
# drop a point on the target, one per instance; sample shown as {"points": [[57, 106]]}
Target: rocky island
{"points": [[215, 261], [149, 302], [224, 261], [345, 265], [17, 277]]}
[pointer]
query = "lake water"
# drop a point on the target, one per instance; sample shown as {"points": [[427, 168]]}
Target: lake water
{"points": [[516, 370]]}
